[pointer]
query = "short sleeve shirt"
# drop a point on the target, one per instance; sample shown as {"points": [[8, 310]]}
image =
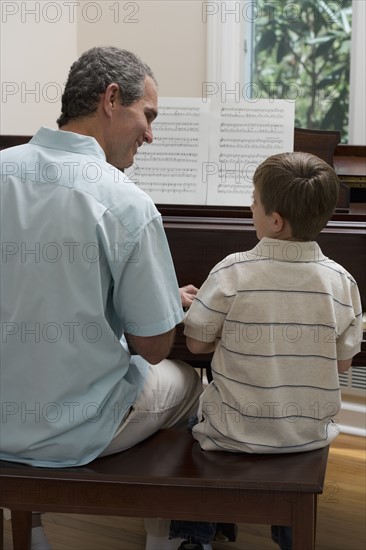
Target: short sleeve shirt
{"points": [[282, 315], [84, 259]]}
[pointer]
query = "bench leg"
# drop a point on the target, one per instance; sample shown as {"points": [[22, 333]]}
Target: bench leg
{"points": [[303, 526], [22, 529], [315, 516], [2, 530]]}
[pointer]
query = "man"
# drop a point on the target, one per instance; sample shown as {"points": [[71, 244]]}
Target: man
{"points": [[86, 262]]}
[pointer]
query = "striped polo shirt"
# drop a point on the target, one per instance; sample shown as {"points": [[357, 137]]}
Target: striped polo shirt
{"points": [[282, 314]]}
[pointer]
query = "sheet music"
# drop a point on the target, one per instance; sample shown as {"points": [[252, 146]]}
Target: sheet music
{"points": [[169, 169], [242, 135], [206, 153]]}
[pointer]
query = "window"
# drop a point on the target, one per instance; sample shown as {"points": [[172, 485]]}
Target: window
{"points": [[301, 51], [309, 51]]}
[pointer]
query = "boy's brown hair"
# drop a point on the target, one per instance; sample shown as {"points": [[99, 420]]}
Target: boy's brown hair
{"points": [[302, 188]]}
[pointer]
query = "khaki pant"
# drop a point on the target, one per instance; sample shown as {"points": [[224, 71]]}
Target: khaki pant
{"points": [[169, 398]]}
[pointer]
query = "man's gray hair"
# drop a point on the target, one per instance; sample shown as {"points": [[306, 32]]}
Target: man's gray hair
{"points": [[92, 73]]}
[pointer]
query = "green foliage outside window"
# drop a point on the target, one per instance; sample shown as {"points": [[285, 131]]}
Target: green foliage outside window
{"points": [[302, 52]]}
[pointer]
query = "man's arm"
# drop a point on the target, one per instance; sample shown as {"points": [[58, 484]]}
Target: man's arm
{"points": [[152, 348], [156, 348]]}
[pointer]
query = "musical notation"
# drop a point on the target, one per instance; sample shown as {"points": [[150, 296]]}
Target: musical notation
{"points": [[243, 136], [170, 167], [147, 156], [207, 154], [176, 126], [256, 144], [253, 112]]}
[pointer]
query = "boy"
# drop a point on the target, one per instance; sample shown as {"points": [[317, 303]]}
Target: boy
{"points": [[282, 320]]}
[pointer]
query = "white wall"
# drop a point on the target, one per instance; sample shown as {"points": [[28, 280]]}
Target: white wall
{"points": [[38, 44], [40, 40], [169, 35]]}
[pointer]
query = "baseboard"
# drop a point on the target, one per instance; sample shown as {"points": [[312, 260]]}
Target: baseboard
{"points": [[352, 416]]}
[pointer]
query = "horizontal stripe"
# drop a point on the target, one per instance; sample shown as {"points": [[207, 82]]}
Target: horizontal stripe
{"points": [[236, 381], [254, 444], [279, 355]]}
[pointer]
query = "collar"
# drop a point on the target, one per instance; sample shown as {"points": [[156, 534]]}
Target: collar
{"points": [[288, 251], [68, 141]]}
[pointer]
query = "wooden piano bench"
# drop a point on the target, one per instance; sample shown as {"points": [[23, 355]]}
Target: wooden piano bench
{"points": [[169, 476]]}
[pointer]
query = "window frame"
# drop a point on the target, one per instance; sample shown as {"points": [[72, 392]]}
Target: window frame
{"points": [[229, 38]]}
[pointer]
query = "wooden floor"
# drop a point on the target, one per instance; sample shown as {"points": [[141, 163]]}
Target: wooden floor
{"points": [[341, 515]]}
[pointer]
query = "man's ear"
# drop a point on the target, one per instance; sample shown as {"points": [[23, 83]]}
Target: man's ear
{"points": [[111, 98]]}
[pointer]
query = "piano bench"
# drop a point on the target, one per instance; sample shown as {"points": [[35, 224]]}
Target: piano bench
{"points": [[169, 476]]}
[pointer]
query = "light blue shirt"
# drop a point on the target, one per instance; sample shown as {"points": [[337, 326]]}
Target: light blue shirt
{"points": [[84, 259]]}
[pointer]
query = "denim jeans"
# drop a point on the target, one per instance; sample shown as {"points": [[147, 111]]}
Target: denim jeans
{"points": [[195, 531], [282, 536], [204, 533]]}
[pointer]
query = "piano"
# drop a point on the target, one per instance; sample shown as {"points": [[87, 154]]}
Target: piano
{"points": [[200, 236]]}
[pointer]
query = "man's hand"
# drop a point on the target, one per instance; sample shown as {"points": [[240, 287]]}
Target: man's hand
{"points": [[187, 294]]}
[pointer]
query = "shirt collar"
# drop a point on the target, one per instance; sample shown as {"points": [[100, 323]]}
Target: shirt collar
{"points": [[68, 141], [288, 251]]}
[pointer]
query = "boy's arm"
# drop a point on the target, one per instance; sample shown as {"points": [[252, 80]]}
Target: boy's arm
{"points": [[195, 346], [344, 364], [205, 318]]}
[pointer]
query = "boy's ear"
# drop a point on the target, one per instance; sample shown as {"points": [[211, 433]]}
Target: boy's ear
{"points": [[280, 227], [278, 223]]}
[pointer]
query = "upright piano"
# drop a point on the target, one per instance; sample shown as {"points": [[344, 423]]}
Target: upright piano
{"points": [[201, 236]]}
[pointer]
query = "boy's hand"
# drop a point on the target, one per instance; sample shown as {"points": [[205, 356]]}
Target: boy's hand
{"points": [[187, 294]]}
